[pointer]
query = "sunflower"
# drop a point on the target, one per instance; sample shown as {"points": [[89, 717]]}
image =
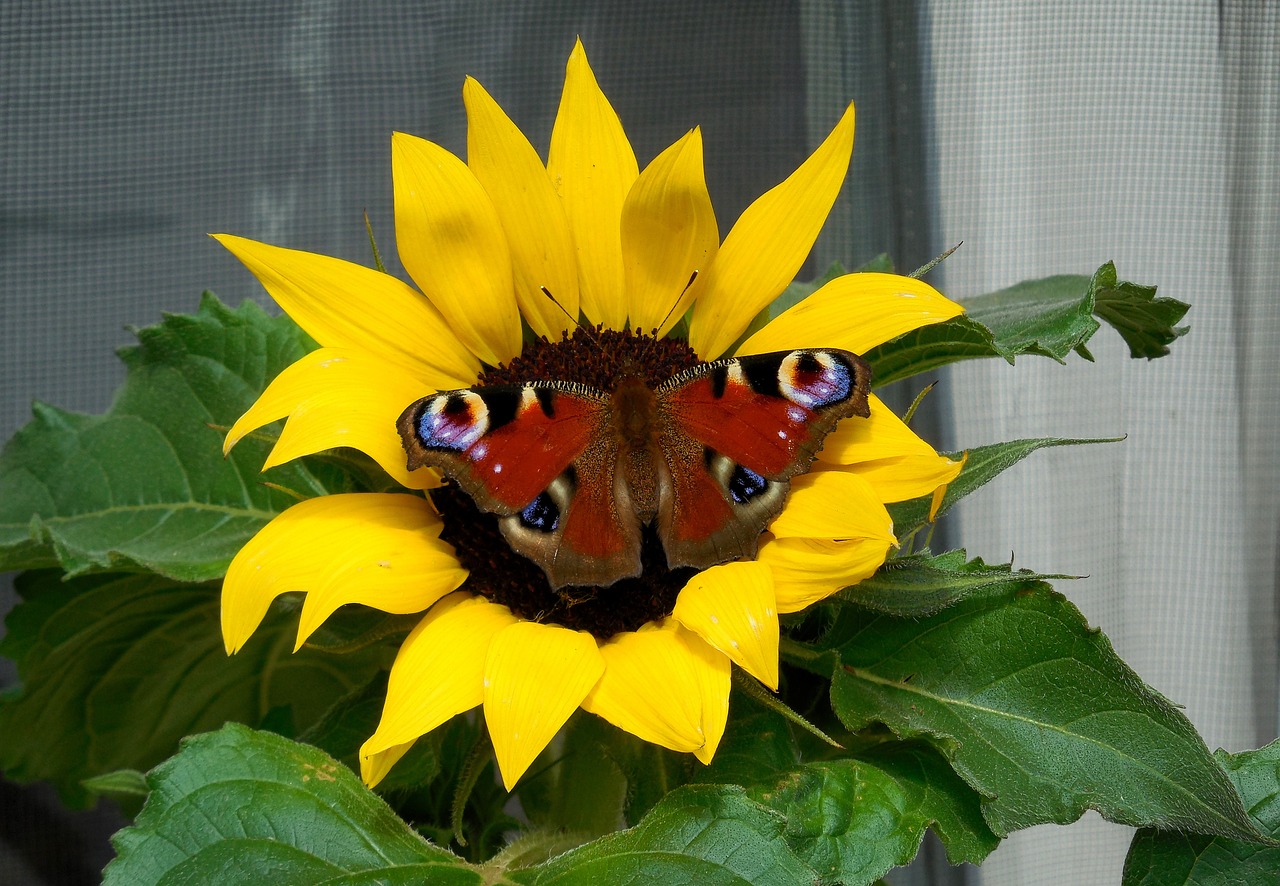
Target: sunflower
{"points": [[487, 241]]}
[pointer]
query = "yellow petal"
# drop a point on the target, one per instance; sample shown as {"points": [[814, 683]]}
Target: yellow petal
{"points": [[906, 477], [345, 305], [806, 570], [375, 766], [438, 672], [661, 683], [767, 246], [732, 607], [451, 242], [668, 232], [833, 505], [339, 397], [535, 677], [714, 683], [856, 312], [533, 219], [940, 494], [379, 549], [592, 167], [887, 454], [881, 435]]}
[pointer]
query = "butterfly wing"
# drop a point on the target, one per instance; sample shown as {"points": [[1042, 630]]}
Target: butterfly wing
{"points": [[733, 434], [542, 458]]}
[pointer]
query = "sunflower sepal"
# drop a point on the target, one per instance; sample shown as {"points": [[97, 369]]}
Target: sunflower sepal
{"points": [[981, 465], [922, 584], [761, 695]]}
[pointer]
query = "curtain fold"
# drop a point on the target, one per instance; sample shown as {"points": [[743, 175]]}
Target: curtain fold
{"points": [[1066, 135]]}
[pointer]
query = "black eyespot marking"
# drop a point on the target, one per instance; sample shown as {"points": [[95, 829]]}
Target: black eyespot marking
{"points": [[808, 363], [762, 376], [571, 474], [719, 379], [502, 404], [541, 514], [746, 484], [547, 400], [708, 457], [456, 405]]}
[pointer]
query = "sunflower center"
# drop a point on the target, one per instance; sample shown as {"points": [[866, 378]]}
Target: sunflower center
{"points": [[597, 359]]}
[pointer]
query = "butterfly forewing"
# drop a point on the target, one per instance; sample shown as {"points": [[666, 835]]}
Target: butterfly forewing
{"points": [[769, 413], [504, 445]]}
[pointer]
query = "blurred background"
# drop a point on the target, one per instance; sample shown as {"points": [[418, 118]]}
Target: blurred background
{"points": [[1048, 137]]}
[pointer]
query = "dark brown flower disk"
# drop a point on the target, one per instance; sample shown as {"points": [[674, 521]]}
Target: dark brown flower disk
{"points": [[595, 358]]}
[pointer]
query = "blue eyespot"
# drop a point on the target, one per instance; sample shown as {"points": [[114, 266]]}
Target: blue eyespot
{"points": [[815, 381], [745, 484], [541, 514]]}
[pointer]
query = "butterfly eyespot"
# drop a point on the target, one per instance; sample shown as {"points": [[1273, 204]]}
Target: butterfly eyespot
{"points": [[815, 380], [541, 514], [745, 484], [453, 422]]}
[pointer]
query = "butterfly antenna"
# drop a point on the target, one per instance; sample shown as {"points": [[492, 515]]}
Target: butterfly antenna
{"points": [[676, 303], [921, 271], [589, 330]]}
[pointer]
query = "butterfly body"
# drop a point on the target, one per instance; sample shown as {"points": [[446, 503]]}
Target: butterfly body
{"points": [[574, 473]]}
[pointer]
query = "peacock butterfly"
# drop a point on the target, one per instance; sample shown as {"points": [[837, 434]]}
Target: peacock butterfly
{"points": [[574, 473]]}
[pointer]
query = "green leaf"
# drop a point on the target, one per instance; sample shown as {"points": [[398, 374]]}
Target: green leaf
{"points": [[954, 808], [648, 772], [1035, 710], [116, 669], [353, 718], [853, 820], [922, 584], [242, 807], [982, 465], [145, 486], [580, 787], [1050, 317], [122, 783], [700, 835], [757, 742], [1145, 322], [1161, 858]]}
